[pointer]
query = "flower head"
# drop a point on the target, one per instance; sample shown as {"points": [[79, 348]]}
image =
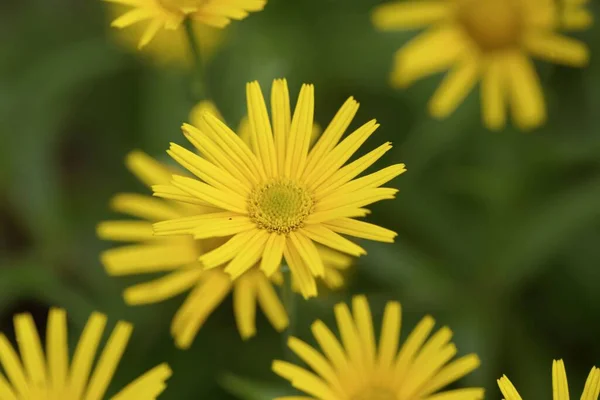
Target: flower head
{"points": [[357, 369], [169, 14], [487, 40], [51, 378], [177, 257], [560, 386], [279, 196]]}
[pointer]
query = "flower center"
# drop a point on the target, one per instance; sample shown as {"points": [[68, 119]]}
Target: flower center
{"points": [[279, 206], [374, 393], [492, 24]]}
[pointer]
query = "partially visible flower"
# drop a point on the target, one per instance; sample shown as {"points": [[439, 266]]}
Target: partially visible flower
{"points": [[488, 40], [177, 257], [358, 369], [169, 46], [560, 386], [50, 377], [170, 14], [280, 195], [575, 15]]}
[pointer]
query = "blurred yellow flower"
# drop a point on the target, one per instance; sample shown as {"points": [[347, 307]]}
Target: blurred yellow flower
{"points": [[356, 369], [50, 377], [560, 386], [487, 40], [170, 14], [276, 198], [169, 46], [178, 257]]}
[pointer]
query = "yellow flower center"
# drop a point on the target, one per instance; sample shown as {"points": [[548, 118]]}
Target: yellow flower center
{"points": [[375, 393], [492, 24], [279, 206]]}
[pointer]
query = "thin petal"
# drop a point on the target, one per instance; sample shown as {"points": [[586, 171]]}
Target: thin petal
{"points": [[410, 14], [125, 231], [227, 251], [508, 390], [163, 255], [303, 380], [350, 339], [493, 95], [30, 348], [57, 347], [455, 87], [271, 304], [260, 128], [309, 253], [364, 324], [355, 200], [526, 97], [280, 108], [163, 288], [244, 305], [147, 386], [591, 390], [271, 260], [429, 53], [147, 169], [560, 387], [131, 17], [300, 132], [248, 255], [225, 199], [13, 368], [202, 107], [451, 373], [390, 335], [463, 394], [558, 49], [327, 237], [187, 225], [361, 229], [142, 206], [300, 271], [370, 181], [412, 345], [153, 27]]}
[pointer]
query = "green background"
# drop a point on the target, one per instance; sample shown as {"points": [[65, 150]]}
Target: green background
{"points": [[499, 232]]}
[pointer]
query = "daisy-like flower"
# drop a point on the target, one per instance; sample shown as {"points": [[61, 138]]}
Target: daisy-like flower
{"points": [[50, 377], [279, 197], [560, 386], [356, 369], [177, 257], [170, 14], [488, 40]]}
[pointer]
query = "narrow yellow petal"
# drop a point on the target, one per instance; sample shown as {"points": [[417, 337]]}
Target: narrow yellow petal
{"points": [[493, 95], [300, 133], [591, 390], [280, 108], [271, 260], [187, 225], [172, 193], [300, 271], [308, 252], [202, 107], [355, 200], [560, 387], [508, 390], [260, 128], [371, 181], [30, 348], [350, 339], [153, 27], [411, 346], [108, 361], [431, 52], [327, 237], [201, 302], [463, 394], [227, 251], [85, 353], [13, 368], [125, 231], [131, 17], [390, 335], [364, 324], [248, 255], [526, 97], [451, 373], [455, 87], [244, 305], [338, 212], [221, 198], [361, 229], [558, 49], [271, 305], [330, 346], [163, 288], [303, 380], [576, 19], [331, 136], [147, 386], [6, 392], [410, 14], [160, 255], [143, 206], [57, 348]]}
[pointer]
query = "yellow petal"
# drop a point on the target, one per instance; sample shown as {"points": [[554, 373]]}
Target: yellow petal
{"points": [[30, 349], [410, 14], [221, 198], [147, 386], [260, 128], [57, 347], [558, 49], [300, 133], [280, 108], [13, 368], [248, 255], [125, 231], [308, 252], [493, 95], [457, 84], [271, 260], [390, 335], [508, 390], [327, 237], [560, 387], [142, 206], [202, 107], [271, 305], [160, 255], [227, 251], [526, 97], [317, 363], [361, 229], [147, 169], [244, 304], [451, 373], [592, 385], [364, 324], [163, 288], [303, 380]]}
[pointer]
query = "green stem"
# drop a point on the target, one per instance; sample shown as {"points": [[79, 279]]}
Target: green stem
{"points": [[289, 303], [198, 84]]}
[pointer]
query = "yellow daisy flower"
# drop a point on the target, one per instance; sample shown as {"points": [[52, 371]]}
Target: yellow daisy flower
{"points": [[560, 387], [278, 197], [170, 14], [50, 378], [487, 40], [356, 369], [177, 256]]}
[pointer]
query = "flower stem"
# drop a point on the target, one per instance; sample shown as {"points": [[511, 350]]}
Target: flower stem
{"points": [[289, 303], [198, 88]]}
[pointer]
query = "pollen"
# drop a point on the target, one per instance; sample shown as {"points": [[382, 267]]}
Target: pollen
{"points": [[279, 206], [492, 24]]}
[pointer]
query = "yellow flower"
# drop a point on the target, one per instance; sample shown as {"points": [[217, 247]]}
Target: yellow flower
{"points": [[487, 40], [560, 387], [177, 256], [51, 378], [169, 46], [170, 14], [356, 370], [278, 198]]}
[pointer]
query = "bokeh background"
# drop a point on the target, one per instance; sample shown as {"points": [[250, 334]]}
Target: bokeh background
{"points": [[499, 232]]}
